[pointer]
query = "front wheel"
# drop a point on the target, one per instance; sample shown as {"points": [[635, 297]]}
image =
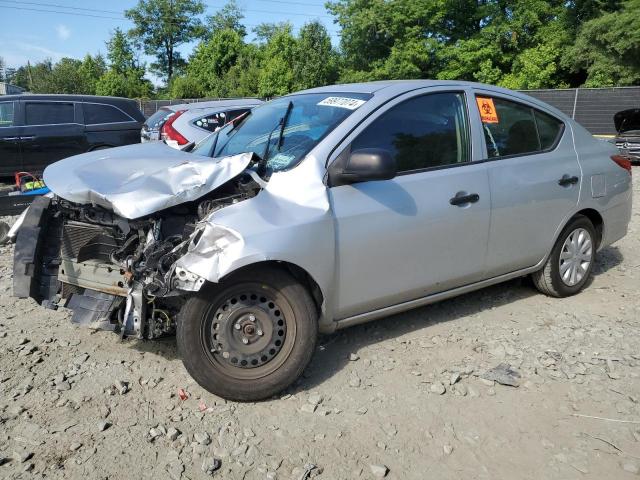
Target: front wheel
{"points": [[569, 266], [250, 336]]}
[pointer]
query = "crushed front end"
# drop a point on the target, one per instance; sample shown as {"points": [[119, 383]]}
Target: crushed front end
{"points": [[115, 273]]}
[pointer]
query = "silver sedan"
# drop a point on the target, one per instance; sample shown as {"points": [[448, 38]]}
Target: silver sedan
{"points": [[321, 210]]}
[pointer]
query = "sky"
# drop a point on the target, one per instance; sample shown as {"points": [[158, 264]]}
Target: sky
{"points": [[34, 30]]}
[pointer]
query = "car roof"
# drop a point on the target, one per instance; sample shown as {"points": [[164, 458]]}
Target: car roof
{"points": [[222, 103], [391, 88], [62, 97]]}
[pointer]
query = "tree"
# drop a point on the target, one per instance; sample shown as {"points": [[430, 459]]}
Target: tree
{"points": [[90, 71], [125, 76], [276, 76], [2, 67], [163, 25], [607, 48], [265, 31], [315, 60], [229, 17]]}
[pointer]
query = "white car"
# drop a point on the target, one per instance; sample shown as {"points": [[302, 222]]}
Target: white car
{"points": [[188, 123]]}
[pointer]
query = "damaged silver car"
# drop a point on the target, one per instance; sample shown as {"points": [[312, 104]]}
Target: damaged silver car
{"points": [[317, 211]]}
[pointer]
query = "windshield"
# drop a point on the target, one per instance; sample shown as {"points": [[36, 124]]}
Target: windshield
{"points": [[311, 117]]}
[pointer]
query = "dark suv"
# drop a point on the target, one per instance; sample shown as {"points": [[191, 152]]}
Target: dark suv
{"points": [[36, 130]]}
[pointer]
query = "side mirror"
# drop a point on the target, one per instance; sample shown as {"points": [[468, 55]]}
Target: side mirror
{"points": [[362, 165]]}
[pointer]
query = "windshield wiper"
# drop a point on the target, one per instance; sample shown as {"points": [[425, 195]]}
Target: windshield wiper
{"points": [[262, 164]]}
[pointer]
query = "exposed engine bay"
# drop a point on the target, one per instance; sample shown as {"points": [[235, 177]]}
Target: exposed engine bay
{"points": [[113, 272]]}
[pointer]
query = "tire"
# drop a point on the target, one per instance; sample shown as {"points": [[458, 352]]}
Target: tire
{"points": [[278, 318], [557, 281]]}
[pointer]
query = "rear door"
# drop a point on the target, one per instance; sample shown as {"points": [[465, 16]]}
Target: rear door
{"points": [[108, 126], [405, 238], [10, 160], [534, 177], [52, 132]]}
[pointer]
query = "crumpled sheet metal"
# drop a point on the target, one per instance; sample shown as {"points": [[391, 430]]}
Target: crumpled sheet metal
{"points": [[138, 180], [289, 220]]}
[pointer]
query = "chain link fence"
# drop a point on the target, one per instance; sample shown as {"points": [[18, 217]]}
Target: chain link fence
{"points": [[591, 107]]}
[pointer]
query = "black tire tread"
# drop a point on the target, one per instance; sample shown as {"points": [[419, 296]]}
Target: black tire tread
{"points": [[191, 315], [544, 279]]}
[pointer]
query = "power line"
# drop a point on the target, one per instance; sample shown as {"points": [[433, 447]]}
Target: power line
{"points": [[121, 18], [64, 13], [55, 5]]}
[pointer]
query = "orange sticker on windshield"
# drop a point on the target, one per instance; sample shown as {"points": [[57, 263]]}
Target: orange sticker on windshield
{"points": [[487, 109]]}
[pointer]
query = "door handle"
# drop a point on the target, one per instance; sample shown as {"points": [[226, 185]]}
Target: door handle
{"points": [[566, 180], [28, 138], [462, 199], [9, 139]]}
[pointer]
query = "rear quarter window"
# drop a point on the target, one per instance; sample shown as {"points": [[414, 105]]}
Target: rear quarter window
{"points": [[6, 114], [95, 113], [49, 113]]}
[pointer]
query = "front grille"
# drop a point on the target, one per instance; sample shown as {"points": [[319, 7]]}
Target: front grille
{"points": [[83, 241]]}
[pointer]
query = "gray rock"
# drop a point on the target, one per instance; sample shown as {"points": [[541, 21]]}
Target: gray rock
{"points": [[504, 375], [379, 471], [22, 455], [103, 425], [203, 438], [122, 387], [154, 433], [210, 465], [173, 433], [315, 399], [354, 357], [75, 446], [63, 386], [438, 388], [354, 380], [454, 378], [447, 449]]}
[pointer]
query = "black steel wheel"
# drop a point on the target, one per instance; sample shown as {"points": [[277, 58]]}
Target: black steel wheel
{"points": [[250, 336]]}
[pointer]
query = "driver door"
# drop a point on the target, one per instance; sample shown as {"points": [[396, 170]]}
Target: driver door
{"points": [[403, 239]]}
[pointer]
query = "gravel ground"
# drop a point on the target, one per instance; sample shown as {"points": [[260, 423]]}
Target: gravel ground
{"points": [[404, 397]]}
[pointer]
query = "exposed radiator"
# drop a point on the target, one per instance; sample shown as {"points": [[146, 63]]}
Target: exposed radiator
{"points": [[83, 241]]}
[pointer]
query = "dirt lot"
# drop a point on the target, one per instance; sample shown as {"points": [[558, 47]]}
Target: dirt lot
{"points": [[404, 393]]}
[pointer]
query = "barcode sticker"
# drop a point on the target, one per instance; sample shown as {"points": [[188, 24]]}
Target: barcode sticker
{"points": [[342, 102]]}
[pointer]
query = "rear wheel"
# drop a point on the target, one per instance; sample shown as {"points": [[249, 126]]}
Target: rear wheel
{"points": [[569, 266], [249, 337]]}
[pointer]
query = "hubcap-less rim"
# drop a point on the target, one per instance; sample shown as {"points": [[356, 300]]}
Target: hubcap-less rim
{"points": [[250, 333], [576, 257]]}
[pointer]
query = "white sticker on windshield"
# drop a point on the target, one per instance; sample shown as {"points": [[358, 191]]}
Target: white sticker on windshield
{"points": [[342, 102]]}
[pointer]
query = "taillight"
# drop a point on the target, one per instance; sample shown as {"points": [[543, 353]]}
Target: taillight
{"points": [[170, 133], [622, 161]]}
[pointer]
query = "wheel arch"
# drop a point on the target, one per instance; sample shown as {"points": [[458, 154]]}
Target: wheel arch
{"points": [[596, 219], [299, 273]]}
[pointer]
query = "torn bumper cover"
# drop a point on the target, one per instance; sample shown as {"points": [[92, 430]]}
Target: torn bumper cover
{"points": [[109, 244]]}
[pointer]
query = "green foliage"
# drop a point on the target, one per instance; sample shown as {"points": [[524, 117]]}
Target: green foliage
{"points": [[125, 77], [229, 17], [608, 48], [315, 62], [123, 85], [276, 75], [163, 25]]}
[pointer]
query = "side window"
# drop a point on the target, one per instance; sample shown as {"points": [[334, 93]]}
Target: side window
{"points": [[48, 113], [216, 120], [549, 129], [512, 128], [6, 114], [95, 113], [423, 132]]}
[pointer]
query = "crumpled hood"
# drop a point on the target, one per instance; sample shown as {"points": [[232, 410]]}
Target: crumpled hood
{"points": [[140, 179]]}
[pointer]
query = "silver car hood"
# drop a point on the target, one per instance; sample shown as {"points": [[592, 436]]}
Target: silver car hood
{"points": [[138, 180]]}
